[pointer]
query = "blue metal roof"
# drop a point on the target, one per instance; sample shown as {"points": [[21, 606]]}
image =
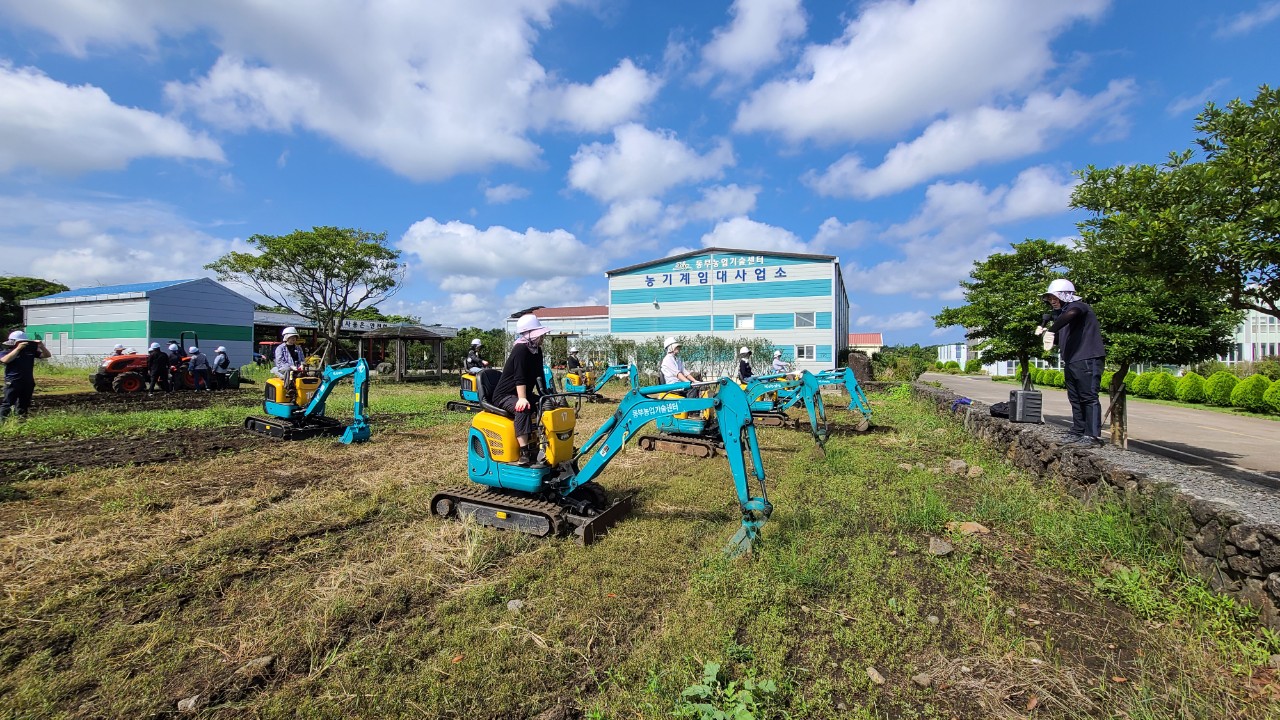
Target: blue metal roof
{"points": [[113, 289]]}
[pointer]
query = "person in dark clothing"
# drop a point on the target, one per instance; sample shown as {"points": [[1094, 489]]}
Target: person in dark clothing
{"points": [[221, 368], [177, 368], [522, 377], [157, 367], [19, 359], [199, 368], [573, 364], [1079, 340], [744, 364], [475, 363]]}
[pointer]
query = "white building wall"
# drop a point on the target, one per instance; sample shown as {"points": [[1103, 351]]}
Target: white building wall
{"points": [[80, 330], [216, 314], [1257, 337]]}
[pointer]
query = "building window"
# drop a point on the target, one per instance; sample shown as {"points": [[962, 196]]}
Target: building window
{"points": [[744, 322], [806, 352], [804, 320]]}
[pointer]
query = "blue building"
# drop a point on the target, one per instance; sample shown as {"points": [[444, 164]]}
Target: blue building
{"points": [[797, 301]]}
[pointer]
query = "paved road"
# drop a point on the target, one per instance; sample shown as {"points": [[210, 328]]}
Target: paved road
{"points": [[1243, 448]]}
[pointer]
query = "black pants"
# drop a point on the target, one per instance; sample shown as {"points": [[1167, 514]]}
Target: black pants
{"points": [[199, 379], [160, 378], [524, 420], [1082, 379], [17, 396]]}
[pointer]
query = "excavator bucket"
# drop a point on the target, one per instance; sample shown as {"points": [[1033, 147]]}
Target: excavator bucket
{"points": [[596, 526]]}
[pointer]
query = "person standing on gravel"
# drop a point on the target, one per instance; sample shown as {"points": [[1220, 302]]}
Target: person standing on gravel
{"points": [[1079, 340], [19, 361], [158, 368]]}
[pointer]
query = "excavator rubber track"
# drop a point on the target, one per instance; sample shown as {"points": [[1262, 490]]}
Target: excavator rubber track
{"points": [[774, 419], [697, 447], [460, 406], [521, 513], [285, 430]]}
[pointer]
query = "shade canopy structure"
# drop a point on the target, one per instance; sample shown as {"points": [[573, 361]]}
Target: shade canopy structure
{"points": [[405, 333]]}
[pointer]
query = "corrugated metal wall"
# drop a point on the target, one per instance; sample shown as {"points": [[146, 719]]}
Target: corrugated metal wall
{"points": [[217, 315], [89, 328]]}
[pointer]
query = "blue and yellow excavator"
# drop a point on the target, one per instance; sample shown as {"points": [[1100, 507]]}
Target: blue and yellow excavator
{"points": [[296, 408], [585, 384], [698, 433], [559, 494], [857, 398], [471, 388]]}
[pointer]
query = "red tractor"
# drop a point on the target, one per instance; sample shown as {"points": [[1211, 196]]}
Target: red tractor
{"points": [[128, 373]]}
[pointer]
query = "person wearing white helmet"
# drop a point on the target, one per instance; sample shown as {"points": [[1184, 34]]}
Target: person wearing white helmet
{"points": [[1074, 328], [221, 368], [522, 376], [672, 366], [289, 357], [117, 350], [157, 368], [475, 363], [779, 365], [19, 360], [198, 366], [573, 364], [744, 364]]}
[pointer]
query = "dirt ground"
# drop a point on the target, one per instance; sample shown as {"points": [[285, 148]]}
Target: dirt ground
{"points": [[129, 402]]}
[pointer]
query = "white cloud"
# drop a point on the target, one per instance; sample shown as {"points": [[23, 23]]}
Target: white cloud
{"points": [[505, 193], [895, 321], [899, 63], [552, 292], [467, 284], [1196, 101], [754, 39], [745, 233], [84, 243], [428, 90], [971, 138], [1247, 21], [626, 217], [835, 235], [720, 201], [461, 250], [47, 125], [643, 163], [955, 226]]}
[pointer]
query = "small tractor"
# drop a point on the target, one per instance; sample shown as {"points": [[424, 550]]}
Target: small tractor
{"points": [[296, 406], [559, 494], [128, 373], [580, 382]]}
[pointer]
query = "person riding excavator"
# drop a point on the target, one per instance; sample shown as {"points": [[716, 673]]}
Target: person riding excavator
{"points": [[672, 366], [290, 359], [779, 365], [744, 364], [573, 363], [475, 363], [521, 378]]}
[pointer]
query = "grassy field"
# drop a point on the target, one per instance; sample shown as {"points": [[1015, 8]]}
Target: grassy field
{"points": [[309, 580]]}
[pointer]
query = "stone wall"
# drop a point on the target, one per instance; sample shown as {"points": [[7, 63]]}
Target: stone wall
{"points": [[1230, 530]]}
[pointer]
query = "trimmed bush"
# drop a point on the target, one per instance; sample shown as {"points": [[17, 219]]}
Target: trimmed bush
{"points": [[1163, 387], [1141, 383], [951, 365], [1104, 384], [938, 365], [1217, 389], [1130, 380], [1269, 367], [1248, 394], [1190, 388], [1057, 378], [1272, 397], [973, 366]]}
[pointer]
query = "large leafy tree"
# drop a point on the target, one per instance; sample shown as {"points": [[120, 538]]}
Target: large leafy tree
{"points": [[1003, 305], [324, 274], [1155, 298], [1238, 206], [13, 290]]}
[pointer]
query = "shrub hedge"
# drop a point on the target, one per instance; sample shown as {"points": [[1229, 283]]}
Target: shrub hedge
{"points": [[1217, 389], [1141, 385], [1163, 387], [1191, 388], [1272, 397], [1248, 394]]}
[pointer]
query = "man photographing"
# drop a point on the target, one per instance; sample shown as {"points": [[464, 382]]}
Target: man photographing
{"points": [[1079, 339], [19, 373]]}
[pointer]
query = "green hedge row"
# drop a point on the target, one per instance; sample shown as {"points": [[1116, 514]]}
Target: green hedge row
{"points": [[1256, 393]]}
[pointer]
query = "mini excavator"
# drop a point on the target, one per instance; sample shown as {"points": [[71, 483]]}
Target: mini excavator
{"points": [[698, 434], [559, 494], [857, 398], [472, 386], [299, 414], [580, 382]]}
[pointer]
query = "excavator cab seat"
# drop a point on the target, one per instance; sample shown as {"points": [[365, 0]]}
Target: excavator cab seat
{"points": [[488, 381]]}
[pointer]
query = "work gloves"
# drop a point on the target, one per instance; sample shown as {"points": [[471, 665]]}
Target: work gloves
{"points": [[1046, 337]]}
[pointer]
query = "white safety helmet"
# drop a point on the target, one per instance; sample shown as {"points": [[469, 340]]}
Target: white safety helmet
{"points": [[130, 351], [777, 353], [573, 350], [118, 347], [669, 342], [475, 342], [288, 333], [530, 326], [174, 346], [154, 346], [193, 349], [16, 337], [744, 350], [221, 349], [1061, 289]]}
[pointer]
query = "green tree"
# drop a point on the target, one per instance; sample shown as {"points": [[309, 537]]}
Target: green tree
{"points": [[13, 290], [1239, 203], [323, 274], [1003, 305], [1155, 302]]}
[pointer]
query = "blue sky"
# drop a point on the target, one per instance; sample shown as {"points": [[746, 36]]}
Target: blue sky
{"points": [[516, 149]]}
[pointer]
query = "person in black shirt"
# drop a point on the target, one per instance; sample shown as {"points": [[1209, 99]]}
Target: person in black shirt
{"points": [[573, 364], [475, 363], [1079, 340], [522, 376], [221, 368], [19, 361], [744, 364], [157, 367]]}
